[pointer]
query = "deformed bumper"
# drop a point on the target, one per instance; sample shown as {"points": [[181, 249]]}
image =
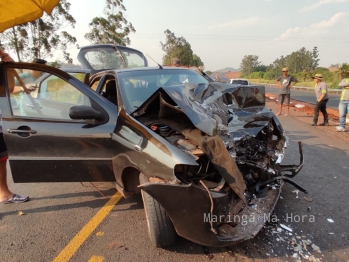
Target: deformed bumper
{"points": [[220, 218], [189, 208]]}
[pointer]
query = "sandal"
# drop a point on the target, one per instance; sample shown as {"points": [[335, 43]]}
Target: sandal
{"points": [[16, 199]]}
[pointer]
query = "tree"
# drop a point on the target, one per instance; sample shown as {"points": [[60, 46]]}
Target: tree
{"points": [[39, 38], [260, 68], [273, 71], [248, 64], [343, 70], [112, 29], [315, 62], [196, 61], [301, 63], [180, 48], [300, 60]]}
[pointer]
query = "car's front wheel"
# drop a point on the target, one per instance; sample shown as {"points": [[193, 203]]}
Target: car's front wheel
{"points": [[160, 228]]}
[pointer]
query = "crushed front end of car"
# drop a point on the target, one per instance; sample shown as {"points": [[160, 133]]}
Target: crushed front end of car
{"points": [[238, 145]]}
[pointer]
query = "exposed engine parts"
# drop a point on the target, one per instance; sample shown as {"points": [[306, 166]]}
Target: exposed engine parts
{"points": [[258, 157]]}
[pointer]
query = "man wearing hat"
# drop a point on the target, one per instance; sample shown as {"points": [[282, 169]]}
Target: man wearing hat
{"points": [[343, 106], [321, 100], [284, 82]]}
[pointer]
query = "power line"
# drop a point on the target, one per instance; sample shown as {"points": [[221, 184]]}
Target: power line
{"points": [[244, 38]]}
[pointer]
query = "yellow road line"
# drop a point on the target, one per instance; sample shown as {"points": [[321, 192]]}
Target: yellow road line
{"points": [[87, 230], [96, 259]]}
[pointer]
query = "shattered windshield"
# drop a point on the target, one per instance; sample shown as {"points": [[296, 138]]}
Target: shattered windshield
{"points": [[137, 86]]}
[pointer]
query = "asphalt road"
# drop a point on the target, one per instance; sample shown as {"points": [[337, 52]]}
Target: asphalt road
{"points": [[72, 222], [306, 96]]}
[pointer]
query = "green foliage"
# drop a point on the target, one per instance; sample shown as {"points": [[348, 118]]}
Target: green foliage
{"points": [[249, 64], [343, 70], [297, 62], [301, 60], [315, 59], [303, 64], [304, 76], [180, 48], [196, 61], [111, 29], [39, 38], [273, 71], [260, 68], [331, 78], [256, 75], [208, 72]]}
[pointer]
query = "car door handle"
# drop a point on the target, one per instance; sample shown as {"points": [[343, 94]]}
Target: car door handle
{"points": [[137, 148], [19, 131]]}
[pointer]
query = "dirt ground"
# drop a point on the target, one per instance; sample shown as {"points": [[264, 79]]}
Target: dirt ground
{"points": [[306, 113]]}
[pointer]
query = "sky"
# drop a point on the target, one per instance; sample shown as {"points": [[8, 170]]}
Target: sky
{"points": [[222, 32]]}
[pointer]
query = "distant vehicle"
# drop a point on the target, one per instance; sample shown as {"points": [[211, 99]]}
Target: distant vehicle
{"points": [[240, 81]]}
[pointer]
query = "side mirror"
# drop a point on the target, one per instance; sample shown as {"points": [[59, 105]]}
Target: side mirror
{"points": [[83, 112]]}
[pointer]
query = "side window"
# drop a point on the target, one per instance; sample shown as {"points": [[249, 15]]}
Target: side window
{"points": [[48, 96], [95, 84], [133, 60], [80, 76], [104, 59]]}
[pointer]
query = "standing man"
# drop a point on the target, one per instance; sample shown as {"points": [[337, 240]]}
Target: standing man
{"points": [[343, 107], [321, 100], [284, 82], [6, 196]]}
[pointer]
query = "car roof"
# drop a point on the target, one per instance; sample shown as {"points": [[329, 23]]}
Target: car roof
{"points": [[106, 45]]}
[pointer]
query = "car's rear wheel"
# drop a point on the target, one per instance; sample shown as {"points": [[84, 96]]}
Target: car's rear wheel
{"points": [[160, 228]]}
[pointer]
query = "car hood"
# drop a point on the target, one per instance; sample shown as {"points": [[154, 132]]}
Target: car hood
{"points": [[214, 117], [217, 108]]}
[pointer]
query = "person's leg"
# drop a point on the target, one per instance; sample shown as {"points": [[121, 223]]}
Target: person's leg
{"points": [[5, 193], [287, 104], [316, 114], [281, 101], [287, 110], [324, 112], [346, 110], [342, 108], [6, 196]]}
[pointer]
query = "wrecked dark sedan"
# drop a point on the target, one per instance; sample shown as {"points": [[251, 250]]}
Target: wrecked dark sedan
{"points": [[205, 156]]}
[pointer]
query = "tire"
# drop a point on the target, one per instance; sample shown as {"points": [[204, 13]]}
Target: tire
{"points": [[160, 228]]}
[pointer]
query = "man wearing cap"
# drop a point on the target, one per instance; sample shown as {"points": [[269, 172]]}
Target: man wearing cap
{"points": [[284, 82], [343, 107], [321, 100]]}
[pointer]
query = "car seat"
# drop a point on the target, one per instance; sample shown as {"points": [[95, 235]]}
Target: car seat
{"points": [[110, 92]]}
